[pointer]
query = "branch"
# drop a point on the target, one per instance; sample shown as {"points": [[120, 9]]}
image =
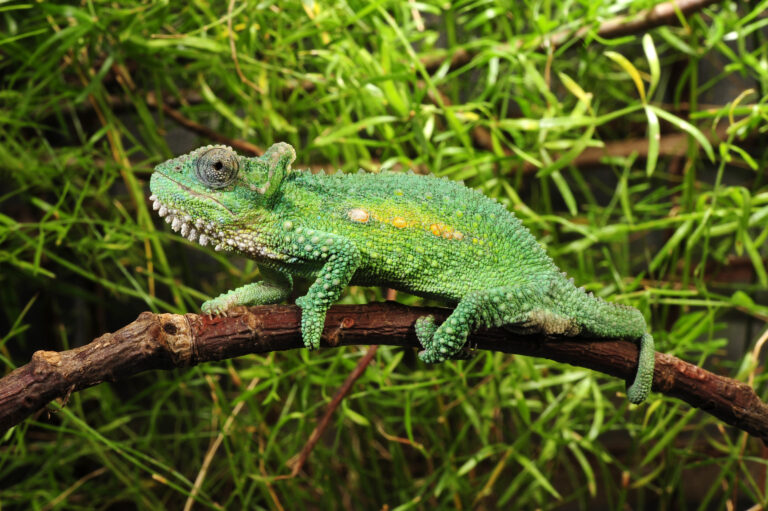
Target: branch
{"points": [[661, 14], [673, 144], [167, 341], [664, 13]]}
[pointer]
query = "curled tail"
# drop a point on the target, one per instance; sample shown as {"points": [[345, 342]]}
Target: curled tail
{"points": [[639, 389], [597, 317]]}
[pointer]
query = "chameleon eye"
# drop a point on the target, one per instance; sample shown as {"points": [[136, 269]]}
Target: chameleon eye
{"points": [[217, 167]]}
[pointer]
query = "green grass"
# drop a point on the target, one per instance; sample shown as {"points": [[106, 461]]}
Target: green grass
{"points": [[680, 236]]}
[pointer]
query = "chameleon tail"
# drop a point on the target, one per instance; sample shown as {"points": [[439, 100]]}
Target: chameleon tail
{"points": [[638, 391], [605, 319]]}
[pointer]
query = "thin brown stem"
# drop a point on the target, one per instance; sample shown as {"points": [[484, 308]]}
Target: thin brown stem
{"points": [[233, 50], [214, 447], [298, 462], [236, 143]]}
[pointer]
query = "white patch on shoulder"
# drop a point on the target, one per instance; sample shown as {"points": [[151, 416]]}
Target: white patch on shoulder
{"points": [[358, 215]]}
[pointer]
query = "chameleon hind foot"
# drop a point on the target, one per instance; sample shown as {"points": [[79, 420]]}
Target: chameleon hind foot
{"points": [[489, 307], [425, 329], [441, 343]]}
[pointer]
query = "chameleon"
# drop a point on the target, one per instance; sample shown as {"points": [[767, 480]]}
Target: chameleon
{"points": [[420, 234]]}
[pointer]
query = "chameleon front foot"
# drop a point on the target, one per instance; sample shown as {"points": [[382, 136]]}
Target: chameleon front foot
{"points": [[275, 288], [218, 306], [312, 321]]}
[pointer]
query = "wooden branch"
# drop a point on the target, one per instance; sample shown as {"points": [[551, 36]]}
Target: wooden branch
{"points": [[672, 144], [167, 341], [664, 13], [661, 14]]}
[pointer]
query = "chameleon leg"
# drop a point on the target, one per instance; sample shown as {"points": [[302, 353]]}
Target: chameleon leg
{"points": [[489, 307], [275, 287], [342, 258], [639, 389]]}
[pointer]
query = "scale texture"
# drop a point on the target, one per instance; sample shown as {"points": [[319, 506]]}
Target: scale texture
{"points": [[420, 234]]}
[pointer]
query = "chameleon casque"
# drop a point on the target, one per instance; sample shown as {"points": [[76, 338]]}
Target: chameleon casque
{"points": [[420, 234]]}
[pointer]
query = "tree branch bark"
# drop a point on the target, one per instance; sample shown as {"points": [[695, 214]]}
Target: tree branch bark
{"points": [[664, 13], [167, 341], [660, 14]]}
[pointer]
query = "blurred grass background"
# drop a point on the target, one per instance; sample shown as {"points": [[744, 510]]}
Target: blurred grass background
{"points": [[638, 160]]}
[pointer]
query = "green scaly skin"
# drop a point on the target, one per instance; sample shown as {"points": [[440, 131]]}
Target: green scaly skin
{"points": [[426, 236]]}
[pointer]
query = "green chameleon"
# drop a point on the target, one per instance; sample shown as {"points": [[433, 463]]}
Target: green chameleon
{"points": [[420, 234]]}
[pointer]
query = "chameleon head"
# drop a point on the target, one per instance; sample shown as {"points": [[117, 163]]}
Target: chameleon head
{"points": [[214, 195]]}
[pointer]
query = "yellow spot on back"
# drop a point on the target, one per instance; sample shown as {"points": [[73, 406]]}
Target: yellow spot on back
{"points": [[399, 222], [447, 232]]}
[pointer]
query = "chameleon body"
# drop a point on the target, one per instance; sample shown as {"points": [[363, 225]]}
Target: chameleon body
{"points": [[420, 234]]}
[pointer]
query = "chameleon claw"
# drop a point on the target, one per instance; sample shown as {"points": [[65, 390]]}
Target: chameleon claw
{"points": [[466, 353]]}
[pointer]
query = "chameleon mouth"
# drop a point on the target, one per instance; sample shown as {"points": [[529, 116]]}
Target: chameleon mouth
{"points": [[209, 233], [198, 230]]}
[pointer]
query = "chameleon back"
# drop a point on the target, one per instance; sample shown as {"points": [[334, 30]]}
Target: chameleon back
{"points": [[421, 234]]}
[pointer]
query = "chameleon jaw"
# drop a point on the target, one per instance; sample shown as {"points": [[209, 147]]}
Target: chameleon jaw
{"points": [[205, 233], [200, 231]]}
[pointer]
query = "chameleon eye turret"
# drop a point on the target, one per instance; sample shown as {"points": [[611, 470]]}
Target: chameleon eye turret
{"points": [[217, 167], [279, 158]]}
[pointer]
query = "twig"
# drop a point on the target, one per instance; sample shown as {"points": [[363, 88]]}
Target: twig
{"points": [[240, 145], [152, 100], [166, 341], [63, 496], [675, 144], [662, 14], [298, 463], [233, 50]]}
